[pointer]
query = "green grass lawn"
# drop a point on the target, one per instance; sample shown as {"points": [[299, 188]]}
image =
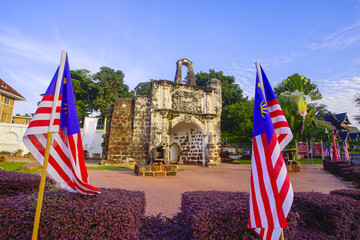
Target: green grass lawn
{"points": [[315, 161], [106, 167], [243, 161], [11, 166]]}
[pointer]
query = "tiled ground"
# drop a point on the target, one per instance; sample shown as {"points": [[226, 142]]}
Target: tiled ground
{"points": [[163, 194]]}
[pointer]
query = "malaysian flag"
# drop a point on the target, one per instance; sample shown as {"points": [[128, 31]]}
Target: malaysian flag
{"points": [[326, 152], [347, 156], [338, 150], [335, 154], [66, 158], [271, 193]]}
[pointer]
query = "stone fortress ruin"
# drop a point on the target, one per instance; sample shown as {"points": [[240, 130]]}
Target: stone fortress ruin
{"points": [[181, 120]]}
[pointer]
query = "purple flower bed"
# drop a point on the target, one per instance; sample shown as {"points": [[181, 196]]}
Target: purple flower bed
{"points": [[159, 228], [352, 193], [13, 183], [113, 214], [333, 215], [215, 215]]}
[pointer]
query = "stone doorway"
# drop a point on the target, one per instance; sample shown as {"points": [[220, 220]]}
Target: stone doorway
{"points": [[174, 153], [189, 139]]}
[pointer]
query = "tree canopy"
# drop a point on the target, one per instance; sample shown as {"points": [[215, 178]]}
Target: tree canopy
{"points": [[231, 91], [142, 88], [96, 92], [357, 103], [294, 94]]}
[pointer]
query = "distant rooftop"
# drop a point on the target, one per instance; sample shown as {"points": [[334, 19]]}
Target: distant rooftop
{"points": [[7, 90]]}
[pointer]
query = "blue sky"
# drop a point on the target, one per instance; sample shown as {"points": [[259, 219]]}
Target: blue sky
{"points": [[319, 39]]}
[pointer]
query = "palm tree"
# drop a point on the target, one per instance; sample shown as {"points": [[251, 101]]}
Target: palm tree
{"points": [[298, 91]]}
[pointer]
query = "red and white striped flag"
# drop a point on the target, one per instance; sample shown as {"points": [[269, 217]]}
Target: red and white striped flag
{"points": [[58, 115], [271, 193], [335, 152], [347, 156]]}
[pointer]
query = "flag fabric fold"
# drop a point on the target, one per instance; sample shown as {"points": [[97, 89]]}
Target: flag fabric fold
{"points": [[271, 193], [66, 159]]}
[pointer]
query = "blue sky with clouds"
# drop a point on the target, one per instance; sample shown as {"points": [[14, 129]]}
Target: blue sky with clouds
{"points": [[319, 39]]}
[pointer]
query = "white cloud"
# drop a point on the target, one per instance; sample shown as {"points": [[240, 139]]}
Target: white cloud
{"points": [[344, 37]]}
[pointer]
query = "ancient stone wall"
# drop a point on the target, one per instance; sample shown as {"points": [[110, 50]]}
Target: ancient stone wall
{"points": [[184, 118], [128, 136]]}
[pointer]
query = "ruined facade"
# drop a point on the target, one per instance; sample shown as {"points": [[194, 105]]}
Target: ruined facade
{"points": [[185, 118]]}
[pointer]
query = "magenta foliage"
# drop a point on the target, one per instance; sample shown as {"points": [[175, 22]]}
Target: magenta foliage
{"points": [[114, 213], [13, 183]]}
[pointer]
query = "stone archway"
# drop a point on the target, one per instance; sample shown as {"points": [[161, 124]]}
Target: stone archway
{"points": [[190, 77], [190, 139]]}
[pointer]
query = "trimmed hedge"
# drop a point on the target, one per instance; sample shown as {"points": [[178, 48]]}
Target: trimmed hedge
{"points": [[344, 169], [14, 183], [215, 215], [159, 227], [224, 215], [333, 215], [114, 213], [351, 193]]}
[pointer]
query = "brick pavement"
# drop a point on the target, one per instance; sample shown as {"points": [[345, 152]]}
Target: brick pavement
{"points": [[163, 194]]}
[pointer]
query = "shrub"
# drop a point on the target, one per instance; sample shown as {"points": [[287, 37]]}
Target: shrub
{"points": [[215, 215], [352, 193], [13, 183], [332, 215], [219, 215], [356, 175], [114, 213], [159, 227]]}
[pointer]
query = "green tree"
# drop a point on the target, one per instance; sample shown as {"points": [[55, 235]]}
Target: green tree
{"points": [[231, 92], [357, 103], [110, 86], [298, 91], [85, 92], [142, 88], [237, 119], [316, 132], [321, 110]]}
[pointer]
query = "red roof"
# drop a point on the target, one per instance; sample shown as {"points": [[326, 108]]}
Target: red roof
{"points": [[6, 88]]}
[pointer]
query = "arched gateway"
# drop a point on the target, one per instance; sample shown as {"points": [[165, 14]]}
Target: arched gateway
{"points": [[183, 118]]}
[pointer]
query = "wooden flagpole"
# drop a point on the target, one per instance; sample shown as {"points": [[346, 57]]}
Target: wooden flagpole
{"points": [[48, 145], [282, 234]]}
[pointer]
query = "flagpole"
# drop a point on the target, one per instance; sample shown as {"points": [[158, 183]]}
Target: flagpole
{"points": [[258, 69], [48, 145], [282, 234]]}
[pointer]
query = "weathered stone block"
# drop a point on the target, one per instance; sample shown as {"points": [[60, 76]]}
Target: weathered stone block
{"points": [[171, 173], [159, 174]]}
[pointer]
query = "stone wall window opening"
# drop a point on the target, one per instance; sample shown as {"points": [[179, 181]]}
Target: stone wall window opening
{"points": [[6, 100], [186, 74], [4, 117]]}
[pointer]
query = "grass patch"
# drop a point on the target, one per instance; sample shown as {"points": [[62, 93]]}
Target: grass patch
{"points": [[106, 167], [315, 161], [11, 166], [243, 161]]}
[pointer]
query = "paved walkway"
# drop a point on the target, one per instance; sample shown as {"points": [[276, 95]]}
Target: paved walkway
{"points": [[163, 194]]}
